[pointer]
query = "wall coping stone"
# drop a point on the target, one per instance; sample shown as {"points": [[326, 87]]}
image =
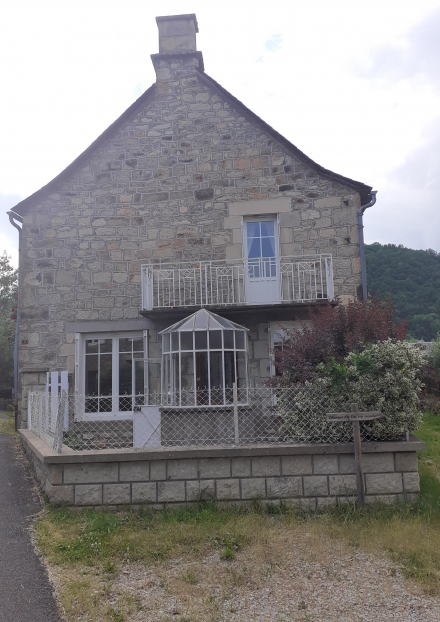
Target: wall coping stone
{"points": [[48, 455]]}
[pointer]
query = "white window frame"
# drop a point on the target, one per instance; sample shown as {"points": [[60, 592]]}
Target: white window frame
{"points": [[262, 218], [80, 366]]}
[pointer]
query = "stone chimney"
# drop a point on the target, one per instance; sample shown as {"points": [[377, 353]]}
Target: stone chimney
{"points": [[177, 46]]}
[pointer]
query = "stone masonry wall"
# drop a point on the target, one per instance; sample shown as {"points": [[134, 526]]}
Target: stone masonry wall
{"points": [[312, 479], [166, 185]]}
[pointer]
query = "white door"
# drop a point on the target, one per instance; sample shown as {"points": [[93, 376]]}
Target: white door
{"points": [[261, 261]]}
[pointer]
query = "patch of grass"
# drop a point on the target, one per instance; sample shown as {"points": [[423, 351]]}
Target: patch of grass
{"points": [[7, 426]]}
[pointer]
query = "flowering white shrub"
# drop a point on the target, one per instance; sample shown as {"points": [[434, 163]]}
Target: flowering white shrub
{"points": [[382, 377]]}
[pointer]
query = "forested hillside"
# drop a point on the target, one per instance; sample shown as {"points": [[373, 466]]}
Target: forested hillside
{"points": [[413, 278]]}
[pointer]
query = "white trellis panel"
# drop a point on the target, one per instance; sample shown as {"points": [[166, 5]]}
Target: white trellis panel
{"points": [[56, 383]]}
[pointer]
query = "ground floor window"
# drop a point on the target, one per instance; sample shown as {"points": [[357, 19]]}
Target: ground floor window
{"points": [[110, 371]]}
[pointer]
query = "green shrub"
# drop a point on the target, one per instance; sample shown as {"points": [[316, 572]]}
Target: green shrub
{"points": [[383, 377]]}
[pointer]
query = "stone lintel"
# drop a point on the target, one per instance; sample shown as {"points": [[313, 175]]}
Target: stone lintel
{"points": [[260, 206], [103, 326]]}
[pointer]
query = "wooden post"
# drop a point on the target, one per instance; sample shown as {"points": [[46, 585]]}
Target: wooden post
{"points": [[355, 417], [358, 458]]}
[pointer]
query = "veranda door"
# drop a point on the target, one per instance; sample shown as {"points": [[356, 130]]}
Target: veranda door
{"points": [[261, 261]]}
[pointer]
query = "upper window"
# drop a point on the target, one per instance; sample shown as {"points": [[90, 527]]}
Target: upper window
{"points": [[111, 372], [262, 264]]}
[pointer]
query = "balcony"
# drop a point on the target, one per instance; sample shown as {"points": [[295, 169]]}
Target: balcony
{"points": [[268, 281]]}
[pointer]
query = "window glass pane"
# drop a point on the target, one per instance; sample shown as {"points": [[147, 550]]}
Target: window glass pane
{"points": [[186, 340], [138, 345], [216, 369], [187, 371], [223, 322], [174, 342], [139, 381], [228, 337], [241, 370], [105, 374], [267, 228], [200, 340], [239, 339], [125, 345], [254, 248], [92, 375], [175, 374], [201, 321], [166, 373], [201, 370], [268, 247], [229, 369], [91, 346], [166, 342], [105, 345], [215, 339], [125, 379], [253, 229]]}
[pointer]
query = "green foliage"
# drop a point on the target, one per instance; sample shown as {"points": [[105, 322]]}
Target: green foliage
{"points": [[435, 355], [8, 293], [413, 279], [383, 377]]}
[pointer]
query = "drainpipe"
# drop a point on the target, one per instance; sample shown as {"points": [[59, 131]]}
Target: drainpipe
{"points": [[12, 217], [360, 215]]}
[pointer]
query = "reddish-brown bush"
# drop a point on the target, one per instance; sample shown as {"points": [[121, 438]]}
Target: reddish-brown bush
{"points": [[334, 331]]}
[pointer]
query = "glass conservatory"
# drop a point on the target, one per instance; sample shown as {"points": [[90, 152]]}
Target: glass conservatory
{"points": [[203, 357]]}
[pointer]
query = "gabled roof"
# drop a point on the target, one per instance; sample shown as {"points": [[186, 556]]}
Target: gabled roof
{"points": [[363, 189]]}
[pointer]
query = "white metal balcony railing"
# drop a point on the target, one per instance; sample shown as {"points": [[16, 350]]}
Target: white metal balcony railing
{"points": [[267, 280]]}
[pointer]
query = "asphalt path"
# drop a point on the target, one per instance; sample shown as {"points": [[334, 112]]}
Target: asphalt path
{"points": [[25, 592]]}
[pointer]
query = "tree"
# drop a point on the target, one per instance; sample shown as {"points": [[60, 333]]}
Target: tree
{"points": [[8, 316], [413, 279]]}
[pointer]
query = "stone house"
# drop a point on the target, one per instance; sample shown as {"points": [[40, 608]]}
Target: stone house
{"points": [[187, 204]]}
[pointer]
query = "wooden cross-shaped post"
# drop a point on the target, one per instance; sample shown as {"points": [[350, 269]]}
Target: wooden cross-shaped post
{"points": [[355, 416]]}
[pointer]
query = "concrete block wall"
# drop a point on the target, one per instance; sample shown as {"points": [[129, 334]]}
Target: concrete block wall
{"points": [[311, 477]]}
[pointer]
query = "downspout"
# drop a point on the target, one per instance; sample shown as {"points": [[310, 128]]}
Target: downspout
{"points": [[360, 215], [12, 217]]}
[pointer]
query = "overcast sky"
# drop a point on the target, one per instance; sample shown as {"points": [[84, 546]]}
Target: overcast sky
{"points": [[355, 85]]}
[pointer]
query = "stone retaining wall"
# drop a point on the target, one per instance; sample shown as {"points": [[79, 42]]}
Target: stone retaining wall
{"points": [[308, 476]]}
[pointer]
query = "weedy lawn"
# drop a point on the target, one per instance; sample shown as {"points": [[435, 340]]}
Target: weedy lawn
{"points": [[7, 422], [103, 562]]}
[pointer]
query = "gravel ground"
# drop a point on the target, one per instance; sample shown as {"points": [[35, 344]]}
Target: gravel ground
{"points": [[349, 586]]}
